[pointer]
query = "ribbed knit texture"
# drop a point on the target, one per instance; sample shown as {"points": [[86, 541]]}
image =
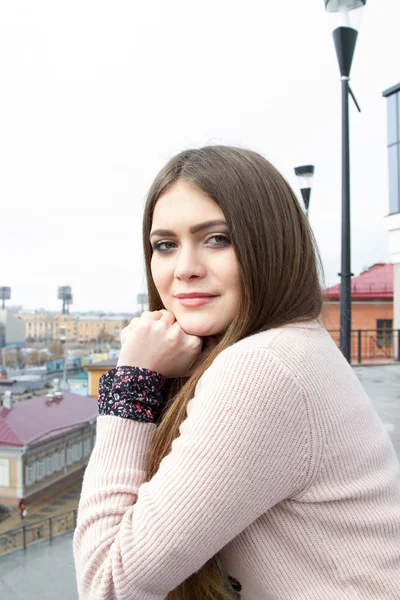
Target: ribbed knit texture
{"points": [[282, 467]]}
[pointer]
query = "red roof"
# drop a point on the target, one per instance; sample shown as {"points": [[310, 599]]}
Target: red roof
{"points": [[34, 420], [376, 283]]}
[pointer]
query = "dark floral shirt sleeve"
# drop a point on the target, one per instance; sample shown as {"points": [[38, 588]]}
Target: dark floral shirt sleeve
{"points": [[131, 393]]}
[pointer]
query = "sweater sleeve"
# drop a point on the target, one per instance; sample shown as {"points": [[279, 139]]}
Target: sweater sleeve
{"points": [[243, 447]]}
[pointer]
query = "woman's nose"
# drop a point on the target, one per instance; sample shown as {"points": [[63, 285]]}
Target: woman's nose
{"points": [[189, 265]]}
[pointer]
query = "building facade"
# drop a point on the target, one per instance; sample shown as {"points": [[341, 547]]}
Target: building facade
{"points": [[392, 96], [371, 314], [12, 330], [42, 327], [44, 442]]}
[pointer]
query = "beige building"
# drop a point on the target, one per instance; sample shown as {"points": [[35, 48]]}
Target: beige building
{"points": [[47, 327], [40, 327], [90, 329], [43, 442]]}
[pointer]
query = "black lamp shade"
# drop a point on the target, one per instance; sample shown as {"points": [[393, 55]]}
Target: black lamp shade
{"points": [[305, 174], [345, 42]]}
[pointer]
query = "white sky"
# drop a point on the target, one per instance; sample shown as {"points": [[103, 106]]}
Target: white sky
{"points": [[96, 96]]}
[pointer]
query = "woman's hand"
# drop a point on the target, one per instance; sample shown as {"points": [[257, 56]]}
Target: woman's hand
{"points": [[157, 342]]}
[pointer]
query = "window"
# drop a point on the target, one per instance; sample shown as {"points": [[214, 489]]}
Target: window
{"points": [[41, 469], [398, 116], [54, 459], [394, 168], [384, 331], [50, 468], [30, 474], [86, 447], [4, 472], [392, 117], [70, 459], [393, 122], [78, 451], [60, 459]]}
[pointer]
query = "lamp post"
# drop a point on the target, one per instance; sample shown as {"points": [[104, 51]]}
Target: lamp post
{"points": [[305, 175], [346, 16], [63, 340]]}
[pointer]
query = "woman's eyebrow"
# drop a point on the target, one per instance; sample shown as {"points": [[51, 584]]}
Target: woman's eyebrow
{"points": [[193, 229]]}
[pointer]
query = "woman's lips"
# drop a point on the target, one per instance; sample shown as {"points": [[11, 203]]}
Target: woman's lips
{"points": [[193, 301]]}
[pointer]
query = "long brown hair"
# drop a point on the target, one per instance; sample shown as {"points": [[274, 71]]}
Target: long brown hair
{"points": [[279, 267]]}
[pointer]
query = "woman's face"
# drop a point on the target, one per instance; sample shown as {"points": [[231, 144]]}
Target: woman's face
{"points": [[193, 265]]}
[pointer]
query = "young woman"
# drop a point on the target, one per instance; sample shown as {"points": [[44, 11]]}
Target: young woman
{"points": [[236, 450]]}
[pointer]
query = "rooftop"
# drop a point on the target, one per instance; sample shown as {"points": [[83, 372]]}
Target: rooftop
{"points": [[39, 418], [376, 283], [392, 90], [102, 364]]}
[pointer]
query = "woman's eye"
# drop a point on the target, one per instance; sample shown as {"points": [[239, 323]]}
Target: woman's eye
{"points": [[163, 246], [218, 240]]}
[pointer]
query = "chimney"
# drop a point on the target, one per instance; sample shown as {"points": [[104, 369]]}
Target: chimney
{"points": [[7, 400]]}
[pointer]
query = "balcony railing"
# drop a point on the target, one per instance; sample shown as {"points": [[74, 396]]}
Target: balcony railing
{"points": [[372, 345], [47, 529]]}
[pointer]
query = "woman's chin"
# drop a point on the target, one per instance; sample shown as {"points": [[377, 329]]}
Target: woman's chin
{"points": [[198, 327]]}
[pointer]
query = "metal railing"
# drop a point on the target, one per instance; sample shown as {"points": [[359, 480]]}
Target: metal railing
{"points": [[372, 345], [46, 529]]}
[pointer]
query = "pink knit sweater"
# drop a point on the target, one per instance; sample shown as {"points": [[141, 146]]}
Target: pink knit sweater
{"points": [[282, 467]]}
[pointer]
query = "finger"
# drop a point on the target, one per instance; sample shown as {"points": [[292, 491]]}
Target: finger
{"points": [[148, 315], [167, 317], [124, 335], [194, 341], [176, 329]]}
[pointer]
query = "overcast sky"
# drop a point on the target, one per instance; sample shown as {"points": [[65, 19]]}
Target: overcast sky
{"points": [[96, 96]]}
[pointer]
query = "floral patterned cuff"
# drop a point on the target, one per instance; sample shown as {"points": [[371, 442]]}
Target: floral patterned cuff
{"points": [[131, 393]]}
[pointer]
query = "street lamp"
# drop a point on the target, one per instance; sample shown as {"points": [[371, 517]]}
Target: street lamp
{"points": [[63, 340], [305, 175], [346, 15]]}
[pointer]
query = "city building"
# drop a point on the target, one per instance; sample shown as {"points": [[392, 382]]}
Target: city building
{"points": [[371, 312], [45, 441], [45, 327], [40, 327], [95, 371], [90, 329], [12, 330], [392, 96]]}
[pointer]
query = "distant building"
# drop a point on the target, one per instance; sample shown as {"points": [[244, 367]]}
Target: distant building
{"points": [[78, 383], [41, 326], [12, 330], [371, 310], [95, 371], [393, 219], [44, 442], [45, 327]]}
